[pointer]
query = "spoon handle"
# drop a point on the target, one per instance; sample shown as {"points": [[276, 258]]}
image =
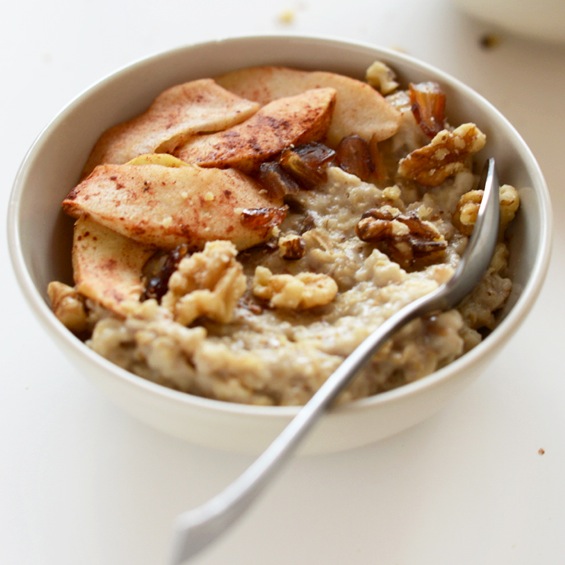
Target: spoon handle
{"points": [[196, 528]]}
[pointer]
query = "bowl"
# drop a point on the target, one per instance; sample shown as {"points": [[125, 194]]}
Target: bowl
{"points": [[40, 236]]}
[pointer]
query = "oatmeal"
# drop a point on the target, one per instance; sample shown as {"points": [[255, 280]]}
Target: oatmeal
{"points": [[241, 255]]}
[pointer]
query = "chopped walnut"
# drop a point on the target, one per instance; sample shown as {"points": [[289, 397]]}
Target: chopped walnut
{"points": [[292, 247], [465, 214], [407, 239], [299, 292], [444, 156], [509, 204], [206, 284], [381, 77], [68, 306]]}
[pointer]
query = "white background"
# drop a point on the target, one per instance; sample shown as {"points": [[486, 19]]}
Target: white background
{"points": [[83, 484]]}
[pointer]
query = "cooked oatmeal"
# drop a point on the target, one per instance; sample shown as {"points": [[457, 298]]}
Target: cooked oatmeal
{"points": [[243, 265]]}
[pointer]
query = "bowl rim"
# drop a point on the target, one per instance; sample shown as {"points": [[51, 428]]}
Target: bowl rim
{"points": [[496, 339]]}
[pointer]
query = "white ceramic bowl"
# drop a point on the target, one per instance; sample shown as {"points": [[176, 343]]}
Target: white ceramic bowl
{"points": [[40, 235]]}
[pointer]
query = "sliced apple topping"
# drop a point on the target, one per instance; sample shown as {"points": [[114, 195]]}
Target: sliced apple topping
{"points": [[359, 108], [210, 169], [279, 124], [176, 114], [163, 159], [107, 266], [168, 206]]}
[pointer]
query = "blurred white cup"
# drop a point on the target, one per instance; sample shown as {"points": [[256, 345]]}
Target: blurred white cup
{"points": [[541, 19]]}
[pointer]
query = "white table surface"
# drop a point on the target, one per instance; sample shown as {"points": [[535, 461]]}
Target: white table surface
{"points": [[482, 483]]}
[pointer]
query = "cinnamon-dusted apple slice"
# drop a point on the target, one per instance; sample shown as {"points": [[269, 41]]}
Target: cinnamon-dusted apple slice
{"points": [[164, 159], [107, 266], [283, 122], [176, 114], [359, 108], [168, 206]]}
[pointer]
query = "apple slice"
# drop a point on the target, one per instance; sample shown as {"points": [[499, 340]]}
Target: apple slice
{"points": [[164, 159], [359, 108], [277, 125], [107, 266], [176, 114], [167, 206]]}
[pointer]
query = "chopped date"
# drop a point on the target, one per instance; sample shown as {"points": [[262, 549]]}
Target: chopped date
{"points": [[308, 223], [428, 107], [158, 271], [307, 163], [353, 155], [276, 181], [262, 218]]}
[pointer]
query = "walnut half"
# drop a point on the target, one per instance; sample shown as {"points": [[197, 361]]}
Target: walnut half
{"points": [[467, 209], [408, 240], [68, 306], [206, 284], [445, 155], [294, 292]]}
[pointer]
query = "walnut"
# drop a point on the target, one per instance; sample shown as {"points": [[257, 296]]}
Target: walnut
{"points": [[407, 239], [465, 214], [292, 247], [298, 292], [466, 211], [68, 306], [206, 284], [509, 204], [444, 156], [382, 77]]}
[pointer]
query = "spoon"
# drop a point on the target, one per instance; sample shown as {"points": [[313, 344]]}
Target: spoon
{"points": [[197, 528]]}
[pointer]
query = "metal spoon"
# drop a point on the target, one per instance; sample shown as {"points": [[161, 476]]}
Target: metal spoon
{"points": [[197, 528]]}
